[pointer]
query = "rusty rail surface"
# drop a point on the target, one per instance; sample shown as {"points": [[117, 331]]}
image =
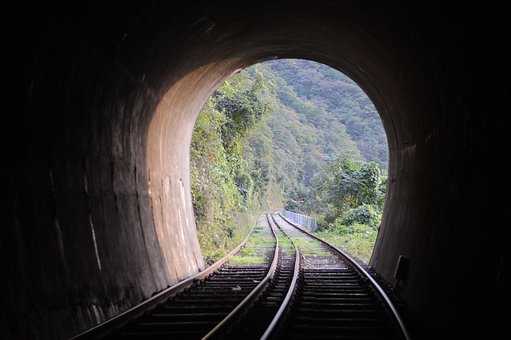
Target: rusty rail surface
{"points": [[252, 296], [291, 291], [118, 321], [378, 289], [276, 323]]}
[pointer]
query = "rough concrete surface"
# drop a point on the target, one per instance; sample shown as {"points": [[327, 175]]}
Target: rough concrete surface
{"points": [[99, 213]]}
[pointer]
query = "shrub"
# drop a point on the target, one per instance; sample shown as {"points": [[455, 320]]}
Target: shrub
{"points": [[364, 214]]}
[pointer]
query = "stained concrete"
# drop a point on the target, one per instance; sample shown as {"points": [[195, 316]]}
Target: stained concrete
{"points": [[99, 214]]}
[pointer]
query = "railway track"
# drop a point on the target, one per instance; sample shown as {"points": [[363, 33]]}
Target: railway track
{"points": [[305, 289], [267, 313], [337, 298], [202, 305]]}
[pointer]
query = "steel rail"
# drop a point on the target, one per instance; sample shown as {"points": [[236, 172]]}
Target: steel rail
{"points": [[253, 294], [291, 290], [119, 320], [362, 272]]}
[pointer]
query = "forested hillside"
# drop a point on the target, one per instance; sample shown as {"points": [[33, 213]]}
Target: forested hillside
{"points": [[286, 133], [337, 99]]}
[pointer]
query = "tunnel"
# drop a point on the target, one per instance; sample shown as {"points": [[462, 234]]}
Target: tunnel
{"points": [[99, 214]]}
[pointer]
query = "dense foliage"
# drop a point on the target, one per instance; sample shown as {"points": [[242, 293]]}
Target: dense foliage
{"points": [[347, 198], [348, 192], [290, 133], [227, 187]]}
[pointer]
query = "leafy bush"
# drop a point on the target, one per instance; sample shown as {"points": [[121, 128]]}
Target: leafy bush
{"points": [[364, 214], [357, 239], [224, 182], [292, 133]]}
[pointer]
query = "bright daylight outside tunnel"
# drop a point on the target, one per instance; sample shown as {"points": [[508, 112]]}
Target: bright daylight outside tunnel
{"points": [[294, 136], [266, 170]]}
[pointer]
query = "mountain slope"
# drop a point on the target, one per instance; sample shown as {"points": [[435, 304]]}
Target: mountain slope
{"points": [[267, 136], [340, 100]]}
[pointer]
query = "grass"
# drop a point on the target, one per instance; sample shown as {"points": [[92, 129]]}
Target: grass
{"points": [[310, 247], [215, 243], [247, 260], [359, 242], [254, 252], [285, 242]]}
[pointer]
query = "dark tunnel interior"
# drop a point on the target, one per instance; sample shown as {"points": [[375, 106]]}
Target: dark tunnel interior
{"points": [[99, 213]]}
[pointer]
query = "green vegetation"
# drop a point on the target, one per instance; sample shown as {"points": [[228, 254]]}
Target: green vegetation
{"points": [[348, 192], [336, 100], [285, 243], [294, 134], [260, 244], [357, 239], [309, 247], [347, 198], [228, 188]]}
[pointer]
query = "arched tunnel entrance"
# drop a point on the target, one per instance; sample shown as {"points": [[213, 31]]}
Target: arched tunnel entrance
{"points": [[99, 216], [295, 136]]}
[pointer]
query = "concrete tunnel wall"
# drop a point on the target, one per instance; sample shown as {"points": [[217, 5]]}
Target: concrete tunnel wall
{"points": [[100, 216]]}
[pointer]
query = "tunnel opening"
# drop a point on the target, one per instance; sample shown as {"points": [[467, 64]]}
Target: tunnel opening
{"points": [[99, 183], [291, 135], [170, 130]]}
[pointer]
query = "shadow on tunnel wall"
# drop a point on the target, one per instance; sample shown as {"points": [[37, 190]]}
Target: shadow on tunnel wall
{"points": [[99, 215]]}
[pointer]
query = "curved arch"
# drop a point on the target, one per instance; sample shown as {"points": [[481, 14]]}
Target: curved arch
{"points": [[214, 60], [97, 181]]}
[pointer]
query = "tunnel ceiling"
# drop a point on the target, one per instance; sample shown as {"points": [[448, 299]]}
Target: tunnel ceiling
{"points": [[99, 210]]}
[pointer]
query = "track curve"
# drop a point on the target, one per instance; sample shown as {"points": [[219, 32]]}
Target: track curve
{"points": [[305, 289], [338, 298], [195, 307]]}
